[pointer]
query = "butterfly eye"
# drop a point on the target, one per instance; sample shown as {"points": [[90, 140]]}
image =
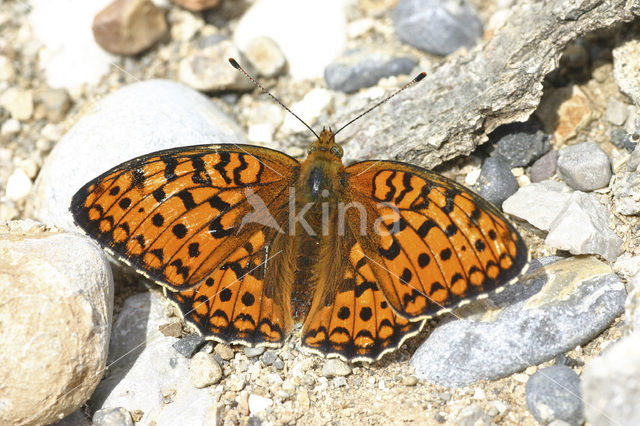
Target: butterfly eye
{"points": [[337, 151], [311, 148]]}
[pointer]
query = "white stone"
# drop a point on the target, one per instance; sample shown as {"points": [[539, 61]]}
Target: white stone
{"points": [[51, 132], [472, 177], [56, 316], [626, 62], [582, 227], [617, 112], [18, 185], [265, 56], [311, 33], [18, 102], [7, 72], [257, 403], [71, 43], [309, 109], [632, 305], [627, 266], [204, 370], [135, 120], [538, 203], [10, 127], [360, 27]]}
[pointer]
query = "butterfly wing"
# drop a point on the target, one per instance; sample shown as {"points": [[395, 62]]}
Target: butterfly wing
{"points": [[176, 216], [435, 245]]}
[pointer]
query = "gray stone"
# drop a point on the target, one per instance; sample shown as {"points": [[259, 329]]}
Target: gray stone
{"points": [[204, 370], [496, 182], [584, 166], [622, 139], [634, 159], [538, 203], [56, 313], [544, 167], [611, 384], [626, 62], [269, 357], [520, 143], [626, 192], [582, 227], [254, 352], [225, 351], [617, 112], [363, 67], [573, 301], [135, 120], [473, 415], [189, 345], [117, 416], [335, 368], [438, 27], [553, 393], [265, 56]]}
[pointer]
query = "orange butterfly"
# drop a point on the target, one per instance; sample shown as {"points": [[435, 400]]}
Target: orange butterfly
{"points": [[247, 240]]}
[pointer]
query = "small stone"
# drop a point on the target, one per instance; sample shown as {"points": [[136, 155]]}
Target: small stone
{"points": [[173, 329], [553, 393], [583, 227], [204, 370], [53, 104], [471, 415], [538, 203], [564, 112], [314, 103], [626, 62], [410, 381], [496, 182], [265, 56], [278, 364], [10, 127], [335, 367], [7, 72], [617, 112], [18, 102], [189, 345], [197, 5], [634, 159], [208, 68], [610, 384], [269, 357], [224, 351], [584, 166], [254, 352], [127, 27], [438, 27], [257, 403], [520, 143], [364, 67], [620, 138], [544, 167], [626, 192], [112, 417], [18, 185], [51, 132]]}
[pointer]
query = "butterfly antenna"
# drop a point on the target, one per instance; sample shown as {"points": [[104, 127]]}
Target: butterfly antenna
{"points": [[406, 86], [237, 66]]}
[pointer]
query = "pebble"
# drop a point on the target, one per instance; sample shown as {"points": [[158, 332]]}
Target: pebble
{"points": [[617, 112], [410, 381], [335, 367], [626, 192], [315, 103], [156, 114], [207, 68], [538, 203], [7, 71], [19, 103], [52, 104], [112, 417], [204, 370], [626, 62], [18, 185], [189, 345], [623, 140], [197, 5], [544, 167], [224, 351], [128, 27], [269, 357], [564, 112], [553, 393], [496, 182], [520, 143], [364, 67], [583, 227], [55, 351], [547, 312], [10, 127], [71, 43], [610, 384], [299, 29], [437, 27], [265, 56], [258, 404], [472, 415], [584, 166], [253, 352]]}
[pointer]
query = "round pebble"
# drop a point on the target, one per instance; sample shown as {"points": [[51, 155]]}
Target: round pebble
{"points": [[496, 182], [112, 417], [553, 393], [254, 352], [544, 167], [584, 166], [335, 367], [204, 370], [265, 56]]}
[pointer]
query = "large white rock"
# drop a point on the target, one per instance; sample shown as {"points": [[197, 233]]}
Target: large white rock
{"points": [[310, 33], [55, 316], [538, 203], [135, 120]]}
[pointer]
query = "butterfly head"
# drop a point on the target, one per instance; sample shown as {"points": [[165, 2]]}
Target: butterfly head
{"points": [[326, 142]]}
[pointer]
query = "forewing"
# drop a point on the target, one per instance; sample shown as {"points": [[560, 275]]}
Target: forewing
{"points": [[434, 244]]}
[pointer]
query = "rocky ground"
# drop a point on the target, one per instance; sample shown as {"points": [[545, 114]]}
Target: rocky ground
{"points": [[87, 346]]}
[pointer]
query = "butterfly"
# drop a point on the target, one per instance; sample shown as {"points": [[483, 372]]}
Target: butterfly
{"points": [[246, 241]]}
